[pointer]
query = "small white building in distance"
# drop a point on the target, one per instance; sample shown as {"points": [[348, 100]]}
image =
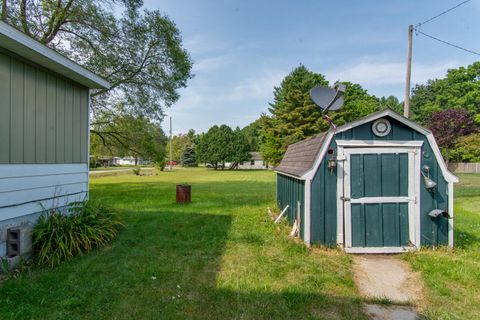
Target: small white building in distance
{"points": [[255, 162]]}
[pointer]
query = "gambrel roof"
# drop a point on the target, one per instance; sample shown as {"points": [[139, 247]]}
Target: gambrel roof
{"points": [[303, 158], [300, 156]]}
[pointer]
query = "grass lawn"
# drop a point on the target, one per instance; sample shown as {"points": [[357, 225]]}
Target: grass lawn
{"points": [[452, 279], [220, 257], [118, 167]]}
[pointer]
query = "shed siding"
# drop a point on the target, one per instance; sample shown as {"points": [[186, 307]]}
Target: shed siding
{"points": [[434, 231], [324, 205], [36, 122], [289, 192]]}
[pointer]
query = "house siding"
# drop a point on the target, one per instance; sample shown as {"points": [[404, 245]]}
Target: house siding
{"points": [[290, 191], [43, 116]]}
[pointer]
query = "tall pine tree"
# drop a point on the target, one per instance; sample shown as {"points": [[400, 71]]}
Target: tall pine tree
{"points": [[294, 117]]}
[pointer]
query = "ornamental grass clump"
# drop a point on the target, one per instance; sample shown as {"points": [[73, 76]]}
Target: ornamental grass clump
{"points": [[58, 236]]}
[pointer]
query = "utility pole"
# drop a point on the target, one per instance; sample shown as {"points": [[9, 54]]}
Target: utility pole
{"points": [[170, 164], [406, 107]]}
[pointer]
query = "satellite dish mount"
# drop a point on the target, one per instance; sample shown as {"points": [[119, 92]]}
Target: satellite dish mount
{"points": [[328, 99]]}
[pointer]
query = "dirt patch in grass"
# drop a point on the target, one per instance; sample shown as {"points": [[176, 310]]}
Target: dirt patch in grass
{"points": [[387, 277]]}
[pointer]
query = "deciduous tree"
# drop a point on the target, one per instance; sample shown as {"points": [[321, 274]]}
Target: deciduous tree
{"points": [[146, 139], [448, 126], [459, 89], [138, 51], [467, 149]]}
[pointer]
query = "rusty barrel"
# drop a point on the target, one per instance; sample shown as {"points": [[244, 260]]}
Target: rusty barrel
{"points": [[184, 193]]}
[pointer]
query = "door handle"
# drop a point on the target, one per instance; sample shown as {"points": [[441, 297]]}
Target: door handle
{"points": [[345, 198]]}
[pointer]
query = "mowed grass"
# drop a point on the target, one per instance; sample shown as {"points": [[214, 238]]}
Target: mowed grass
{"points": [[220, 257], [452, 279]]}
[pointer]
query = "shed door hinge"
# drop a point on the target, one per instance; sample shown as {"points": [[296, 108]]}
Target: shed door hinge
{"points": [[344, 198]]}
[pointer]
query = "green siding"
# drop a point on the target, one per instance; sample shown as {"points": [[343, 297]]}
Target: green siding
{"points": [[434, 231], [37, 122], [382, 175], [16, 112], [5, 66], [41, 117], [290, 191], [379, 175], [29, 116], [324, 206], [379, 225]]}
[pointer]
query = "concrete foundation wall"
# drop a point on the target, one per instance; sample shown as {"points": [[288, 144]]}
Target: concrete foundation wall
{"points": [[25, 222]]}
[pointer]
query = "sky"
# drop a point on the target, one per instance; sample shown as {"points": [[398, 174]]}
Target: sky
{"points": [[242, 49]]}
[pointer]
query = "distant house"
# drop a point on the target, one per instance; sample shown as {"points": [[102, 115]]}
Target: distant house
{"points": [[44, 133], [256, 162], [131, 161]]}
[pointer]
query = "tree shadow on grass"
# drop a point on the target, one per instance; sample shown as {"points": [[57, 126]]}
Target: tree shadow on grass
{"points": [[162, 266]]}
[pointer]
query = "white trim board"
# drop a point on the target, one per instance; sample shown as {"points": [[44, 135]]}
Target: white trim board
{"points": [[451, 213], [288, 175], [310, 174], [374, 116], [32, 50], [450, 177], [361, 250], [307, 211], [411, 199], [379, 143], [380, 114]]}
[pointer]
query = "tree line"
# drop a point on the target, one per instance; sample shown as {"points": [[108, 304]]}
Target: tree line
{"points": [[140, 52], [449, 107]]}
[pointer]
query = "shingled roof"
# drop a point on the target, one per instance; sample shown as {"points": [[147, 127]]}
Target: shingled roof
{"points": [[300, 157]]}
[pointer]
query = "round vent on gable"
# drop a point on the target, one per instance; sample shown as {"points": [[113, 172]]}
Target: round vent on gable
{"points": [[381, 127]]}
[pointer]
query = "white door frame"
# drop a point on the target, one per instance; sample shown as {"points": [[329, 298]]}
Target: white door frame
{"points": [[344, 150]]}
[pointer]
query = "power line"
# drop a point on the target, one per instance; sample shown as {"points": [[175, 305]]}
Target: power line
{"points": [[446, 42], [441, 14], [418, 25]]}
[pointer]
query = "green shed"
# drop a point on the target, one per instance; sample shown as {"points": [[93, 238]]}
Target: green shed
{"points": [[375, 185]]}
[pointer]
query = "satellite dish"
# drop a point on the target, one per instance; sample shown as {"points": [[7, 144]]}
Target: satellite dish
{"points": [[328, 98]]}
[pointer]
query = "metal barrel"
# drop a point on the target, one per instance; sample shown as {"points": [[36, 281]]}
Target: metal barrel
{"points": [[184, 193]]}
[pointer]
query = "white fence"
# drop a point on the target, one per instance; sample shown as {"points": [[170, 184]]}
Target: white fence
{"points": [[464, 167]]}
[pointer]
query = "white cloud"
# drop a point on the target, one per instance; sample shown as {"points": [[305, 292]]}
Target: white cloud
{"points": [[204, 104], [209, 64], [369, 73]]}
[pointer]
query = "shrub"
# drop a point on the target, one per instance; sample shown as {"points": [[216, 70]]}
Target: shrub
{"points": [[58, 236], [160, 164]]}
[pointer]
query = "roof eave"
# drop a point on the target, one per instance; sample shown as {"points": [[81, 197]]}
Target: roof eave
{"points": [[289, 174], [30, 49]]}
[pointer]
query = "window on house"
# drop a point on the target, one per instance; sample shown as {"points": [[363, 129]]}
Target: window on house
{"points": [[252, 162]]}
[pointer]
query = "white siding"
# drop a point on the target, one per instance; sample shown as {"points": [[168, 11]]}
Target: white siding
{"points": [[258, 164], [29, 188]]}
